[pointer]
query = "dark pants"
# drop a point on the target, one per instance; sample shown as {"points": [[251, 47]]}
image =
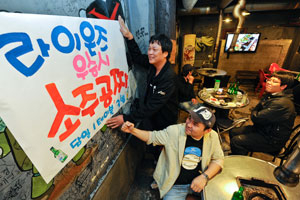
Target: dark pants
{"points": [[245, 139]]}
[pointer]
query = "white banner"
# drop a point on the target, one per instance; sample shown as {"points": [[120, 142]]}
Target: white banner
{"points": [[61, 78]]}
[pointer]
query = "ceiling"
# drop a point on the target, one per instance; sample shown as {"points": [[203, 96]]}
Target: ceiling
{"points": [[213, 6]]}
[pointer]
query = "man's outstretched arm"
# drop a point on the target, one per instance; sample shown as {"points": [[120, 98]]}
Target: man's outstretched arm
{"points": [[128, 127]]}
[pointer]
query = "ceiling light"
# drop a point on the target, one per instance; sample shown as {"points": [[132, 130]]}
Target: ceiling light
{"points": [[227, 19], [245, 13]]}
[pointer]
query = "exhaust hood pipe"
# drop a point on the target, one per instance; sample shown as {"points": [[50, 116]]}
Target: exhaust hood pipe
{"points": [[189, 4], [237, 13]]}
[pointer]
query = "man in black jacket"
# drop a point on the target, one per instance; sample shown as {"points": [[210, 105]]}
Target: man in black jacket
{"points": [[273, 119], [186, 95], [159, 107]]}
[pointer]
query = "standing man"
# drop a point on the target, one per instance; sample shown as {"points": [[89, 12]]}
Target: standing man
{"points": [[159, 107], [191, 156], [273, 119]]}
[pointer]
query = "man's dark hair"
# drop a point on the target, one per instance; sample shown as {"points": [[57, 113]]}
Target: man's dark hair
{"points": [[286, 78], [164, 41], [186, 69]]}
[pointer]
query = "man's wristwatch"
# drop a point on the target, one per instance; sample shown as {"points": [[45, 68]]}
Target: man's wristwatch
{"points": [[205, 175]]}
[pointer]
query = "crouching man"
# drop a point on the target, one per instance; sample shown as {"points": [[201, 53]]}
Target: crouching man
{"points": [[191, 156]]}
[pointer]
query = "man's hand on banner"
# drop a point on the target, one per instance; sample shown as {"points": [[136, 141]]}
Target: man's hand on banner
{"points": [[115, 122], [124, 30]]}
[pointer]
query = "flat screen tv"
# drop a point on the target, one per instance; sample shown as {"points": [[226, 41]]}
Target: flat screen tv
{"points": [[246, 42]]}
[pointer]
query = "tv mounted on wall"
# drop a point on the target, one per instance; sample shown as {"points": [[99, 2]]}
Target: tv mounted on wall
{"points": [[246, 42]]}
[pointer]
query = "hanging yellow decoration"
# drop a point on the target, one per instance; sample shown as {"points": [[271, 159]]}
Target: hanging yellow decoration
{"points": [[203, 42]]}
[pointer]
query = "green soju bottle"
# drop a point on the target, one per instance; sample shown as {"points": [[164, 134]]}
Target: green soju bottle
{"points": [[238, 195], [298, 77], [236, 88], [229, 89], [59, 154]]}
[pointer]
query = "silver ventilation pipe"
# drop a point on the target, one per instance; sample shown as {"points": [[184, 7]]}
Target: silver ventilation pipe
{"points": [[218, 37], [189, 4], [237, 13]]}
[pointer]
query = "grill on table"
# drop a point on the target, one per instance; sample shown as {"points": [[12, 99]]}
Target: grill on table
{"points": [[255, 189]]}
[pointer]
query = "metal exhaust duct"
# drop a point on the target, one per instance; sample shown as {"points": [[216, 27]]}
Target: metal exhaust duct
{"points": [[189, 4], [237, 13]]}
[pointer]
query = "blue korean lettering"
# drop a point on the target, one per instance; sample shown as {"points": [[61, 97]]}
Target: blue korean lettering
{"points": [[77, 144], [85, 133], [99, 121], [101, 37], [118, 102], [26, 47], [54, 37], [111, 109], [78, 43], [122, 98], [89, 39], [43, 47], [105, 114]]}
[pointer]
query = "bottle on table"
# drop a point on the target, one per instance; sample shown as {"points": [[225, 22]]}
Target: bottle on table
{"points": [[298, 77], [236, 88], [238, 195], [59, 154], [217, 85], [230, 88]]}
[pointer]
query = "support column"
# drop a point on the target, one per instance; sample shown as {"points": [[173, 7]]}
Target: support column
{"points": [[165, 18]]}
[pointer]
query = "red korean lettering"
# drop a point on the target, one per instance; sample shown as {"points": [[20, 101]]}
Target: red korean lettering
{"points": [[62, 110], [106, 93], [118, 83], [70, 129], [82, 90]]}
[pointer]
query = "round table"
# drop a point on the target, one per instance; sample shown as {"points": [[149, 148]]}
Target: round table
{"points": [[222, 186], [211, 72], [212, 99]]}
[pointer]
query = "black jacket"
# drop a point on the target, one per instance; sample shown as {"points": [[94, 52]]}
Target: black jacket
{"points": [[185, 90], [159, 106], [274, 117]]}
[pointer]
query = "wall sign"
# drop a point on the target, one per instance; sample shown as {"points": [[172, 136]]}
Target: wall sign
{"points": [[60, 79]]}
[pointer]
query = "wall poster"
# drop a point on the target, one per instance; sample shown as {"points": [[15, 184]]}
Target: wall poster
{"points": [[61, 78]]}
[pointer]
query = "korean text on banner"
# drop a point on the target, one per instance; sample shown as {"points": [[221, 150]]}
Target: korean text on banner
{"points": [[60, 79]]}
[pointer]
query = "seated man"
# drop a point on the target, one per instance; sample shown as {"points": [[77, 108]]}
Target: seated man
{"points": [[191, 155], [273, 119], [186, 95]]}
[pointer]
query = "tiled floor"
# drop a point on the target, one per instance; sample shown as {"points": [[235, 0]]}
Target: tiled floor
{"points": [[141, 190]]}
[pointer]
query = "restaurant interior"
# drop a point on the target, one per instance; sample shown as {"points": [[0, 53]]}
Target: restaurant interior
{"points": [[265, 37], [228, 43]]}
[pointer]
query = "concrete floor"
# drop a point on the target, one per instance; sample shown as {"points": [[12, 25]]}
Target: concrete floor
{"points": [[141, 190]]}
